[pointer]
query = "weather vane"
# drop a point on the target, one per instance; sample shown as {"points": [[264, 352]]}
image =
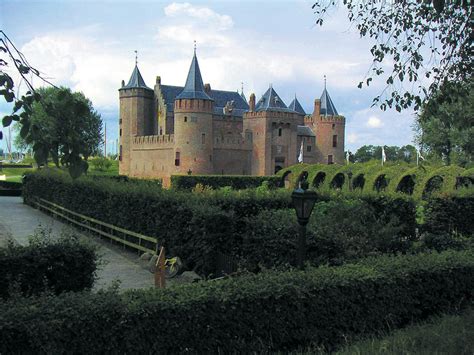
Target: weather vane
{"points": [[194, 46], [136, 57], [324, 81]]}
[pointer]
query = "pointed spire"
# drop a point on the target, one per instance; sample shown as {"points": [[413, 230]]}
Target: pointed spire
{"points": [[327, 106], [296, 106], [194, 87], [136, 79], [242, 91], [270, 101]]}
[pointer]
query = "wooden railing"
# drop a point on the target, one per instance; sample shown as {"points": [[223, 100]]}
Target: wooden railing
{"points": [[125, 237]]}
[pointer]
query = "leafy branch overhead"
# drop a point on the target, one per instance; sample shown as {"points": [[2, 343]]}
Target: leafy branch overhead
{"points": [[62, 125], [418, 45]]}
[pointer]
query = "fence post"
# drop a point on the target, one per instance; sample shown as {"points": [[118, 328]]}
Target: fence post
{"points": [[160, 280]]}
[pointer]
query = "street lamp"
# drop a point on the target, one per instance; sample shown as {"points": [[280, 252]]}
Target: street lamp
{"points": [[303, 201]]}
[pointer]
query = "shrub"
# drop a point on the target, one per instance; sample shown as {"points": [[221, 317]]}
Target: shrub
{"points": [[447, 213], [238, 182], [46, 265], [271, 311]]}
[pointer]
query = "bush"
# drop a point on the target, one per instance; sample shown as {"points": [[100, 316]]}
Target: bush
{"points": [[101, 163], [339, 230], [272, 311], [237, 182], [448, 213], [45, 265]]}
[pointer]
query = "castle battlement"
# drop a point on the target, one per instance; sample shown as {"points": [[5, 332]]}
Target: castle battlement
{"points": [[275, 114], [338, 118], [166, 140]]}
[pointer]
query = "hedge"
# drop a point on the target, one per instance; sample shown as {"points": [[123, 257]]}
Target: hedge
{"points": [[10, 188], [66, 265], [448, 213], [238, 182], [198, 227], [268, 312]]}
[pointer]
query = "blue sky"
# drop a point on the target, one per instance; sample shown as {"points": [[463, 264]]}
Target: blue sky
{"points": [[89, 46]]}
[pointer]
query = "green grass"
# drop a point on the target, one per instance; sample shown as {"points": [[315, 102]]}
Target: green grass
{"points": [[15, 174], [448, 334]]}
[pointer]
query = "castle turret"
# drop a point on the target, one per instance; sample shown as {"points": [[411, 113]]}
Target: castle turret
{"points": [[330, 129], [136, 110], [193, 109]]}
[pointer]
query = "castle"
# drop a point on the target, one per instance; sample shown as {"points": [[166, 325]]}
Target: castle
{"points": [[194, 129]]}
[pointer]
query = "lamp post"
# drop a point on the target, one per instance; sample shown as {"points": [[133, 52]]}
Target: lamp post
{"points": [[303, 201]]}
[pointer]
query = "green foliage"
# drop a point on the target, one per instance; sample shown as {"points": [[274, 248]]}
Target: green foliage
{"points": [[268, 312], [237, 182], [366, 153], [46, 265], [101, 164], [449, 334], [420, 39], [445, 125], [392, 175], [65, 127], [446, 214]]}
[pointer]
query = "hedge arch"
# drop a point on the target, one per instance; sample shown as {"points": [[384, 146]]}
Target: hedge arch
{"points": [[318, 180], [434, 183], [302, 176], [358, 182], [406, 185], [380, 183], [286, 179], [464, 182], [337, 181]]}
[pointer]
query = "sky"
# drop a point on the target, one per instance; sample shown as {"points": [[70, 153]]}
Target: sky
{"points": [[89, 46]]}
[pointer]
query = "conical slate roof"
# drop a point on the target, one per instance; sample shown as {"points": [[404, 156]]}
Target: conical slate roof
{"points": [[270, 101], [136, 80], [242, 95], [295, 106], [327, 107], [194, 87]]}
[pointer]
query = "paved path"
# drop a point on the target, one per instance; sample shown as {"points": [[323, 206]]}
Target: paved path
{"points": [[20, 221]]}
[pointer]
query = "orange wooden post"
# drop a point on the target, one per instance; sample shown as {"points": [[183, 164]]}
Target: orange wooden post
{"points": [[160, 280]]}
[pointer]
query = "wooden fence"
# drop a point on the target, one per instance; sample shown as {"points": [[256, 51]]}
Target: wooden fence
{"points": [[125, 237]]}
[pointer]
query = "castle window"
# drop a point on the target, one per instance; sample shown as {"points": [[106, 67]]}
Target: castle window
{"points": [[120, 132], [308, 148], [334, 141], [176, 159], [279, 132], [203, 138], [185, 119], [210, 157], [120, 153], [330, 160], [120, 121], [161, 131], [333, 125]]}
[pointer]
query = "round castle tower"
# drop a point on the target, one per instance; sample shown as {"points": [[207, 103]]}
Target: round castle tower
{"points": [[135, 106], [193, 133]]}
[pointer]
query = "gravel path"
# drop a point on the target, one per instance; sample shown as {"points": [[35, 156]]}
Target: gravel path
{"points": [[18, 221]]}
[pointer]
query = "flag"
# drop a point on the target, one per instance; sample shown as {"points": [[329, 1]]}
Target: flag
{"points": [[347, 157], [300, 157], [384, 157], [418, 157]]}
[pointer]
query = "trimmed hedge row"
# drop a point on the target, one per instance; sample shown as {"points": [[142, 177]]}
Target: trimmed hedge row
{"points": [[198, 227], [66, 265], [10, 188], [238, 182], [268, 312], [445, 214]]}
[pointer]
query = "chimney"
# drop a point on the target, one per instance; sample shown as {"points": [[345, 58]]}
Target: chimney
{"points": [[252, 102], [207, 88], [158, 80], [317, 108]]}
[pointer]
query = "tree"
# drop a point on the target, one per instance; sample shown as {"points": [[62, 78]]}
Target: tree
{"points": [[393, 153], [73, 155], [62, 125], [416, 39], [445, 126], [364, 154]]}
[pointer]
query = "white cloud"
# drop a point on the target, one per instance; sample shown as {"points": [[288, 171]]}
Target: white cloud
{"points": [[352, 138], [181, 10], [374, 122]]}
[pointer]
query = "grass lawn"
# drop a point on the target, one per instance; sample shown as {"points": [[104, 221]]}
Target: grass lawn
{"points": [[14, 174], [448, 334]]}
